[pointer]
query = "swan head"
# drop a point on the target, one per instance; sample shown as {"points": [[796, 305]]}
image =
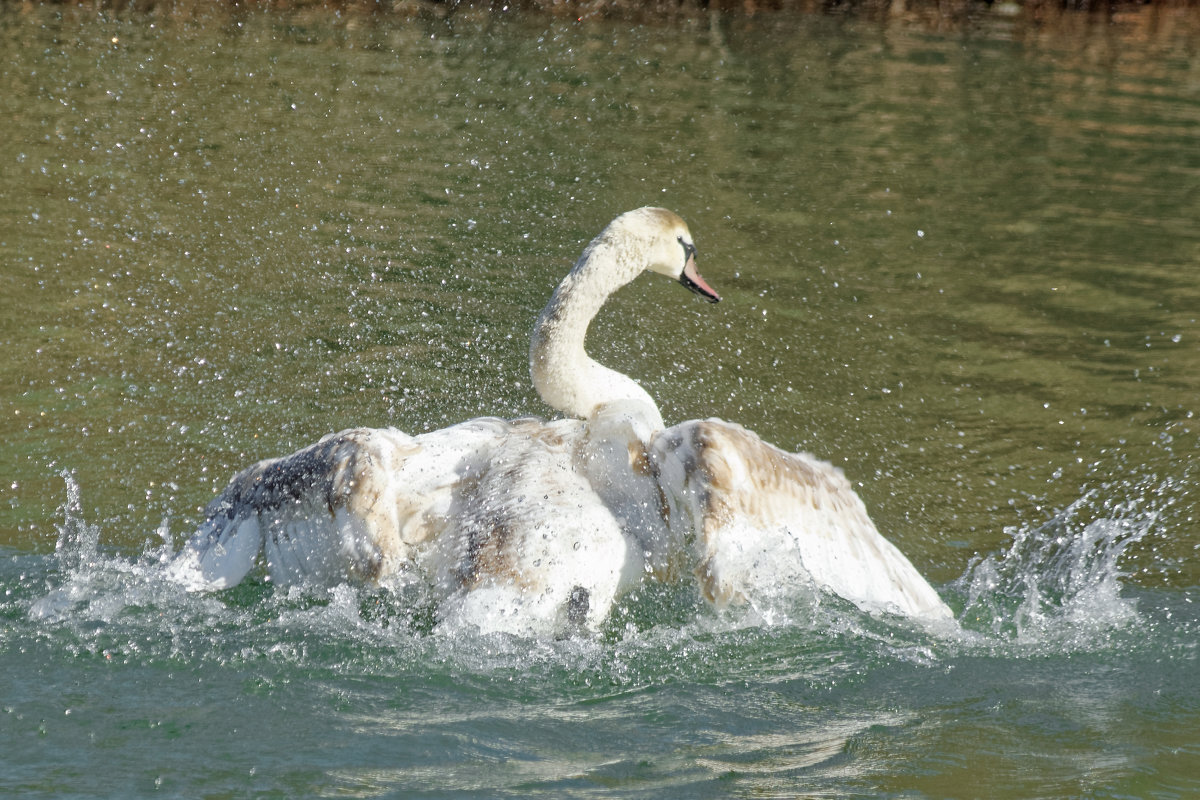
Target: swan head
{"points": [[668, 246]]}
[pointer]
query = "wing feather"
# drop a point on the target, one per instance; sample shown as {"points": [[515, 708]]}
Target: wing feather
{"points": [[332, 510], [757, 516], [361, 504]]}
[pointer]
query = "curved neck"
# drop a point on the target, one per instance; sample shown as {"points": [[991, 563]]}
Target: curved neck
{"points": [[565, 376]]}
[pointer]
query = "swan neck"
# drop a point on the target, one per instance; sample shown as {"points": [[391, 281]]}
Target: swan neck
{"points": [[565, 376], [563, 324]]}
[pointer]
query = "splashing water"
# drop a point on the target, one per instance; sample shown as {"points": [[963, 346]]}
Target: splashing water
{"points": [[1058, 585], [78, 542], [802, 685], [103, 585]]}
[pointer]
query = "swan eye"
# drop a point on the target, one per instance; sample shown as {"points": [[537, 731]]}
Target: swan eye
{"points": [[689, 249]]}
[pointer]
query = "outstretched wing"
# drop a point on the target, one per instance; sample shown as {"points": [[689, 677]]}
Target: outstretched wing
{"points": [[331, 510], [758, 517], [352, 506]]}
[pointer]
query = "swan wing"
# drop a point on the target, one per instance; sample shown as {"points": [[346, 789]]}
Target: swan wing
{"points": [[760, 518], [354, 505]]}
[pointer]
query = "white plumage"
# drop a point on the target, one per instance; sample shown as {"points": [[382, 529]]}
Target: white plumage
{"points": [[533, 526], [762, 518]]}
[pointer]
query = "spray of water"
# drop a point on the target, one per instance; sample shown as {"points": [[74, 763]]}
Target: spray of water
{"points": [[1058, 585], [78, 542], [90, 584]]}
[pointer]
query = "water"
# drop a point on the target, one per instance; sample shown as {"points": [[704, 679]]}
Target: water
{"points": [[960, 263]]}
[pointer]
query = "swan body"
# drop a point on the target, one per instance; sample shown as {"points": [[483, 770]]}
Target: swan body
{"points": [[534, 526], [496, 515]]}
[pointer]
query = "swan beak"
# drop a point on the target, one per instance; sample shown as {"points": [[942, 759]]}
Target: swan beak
{"points": [[692, 280]]}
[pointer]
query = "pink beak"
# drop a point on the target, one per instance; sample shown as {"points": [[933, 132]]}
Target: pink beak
{"points": [[692, 279]]}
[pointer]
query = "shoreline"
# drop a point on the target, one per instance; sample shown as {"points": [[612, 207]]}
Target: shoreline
{"points": [[939, 12]]}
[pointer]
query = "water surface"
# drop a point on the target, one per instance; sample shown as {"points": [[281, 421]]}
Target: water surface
{"points": [[959, 264]]}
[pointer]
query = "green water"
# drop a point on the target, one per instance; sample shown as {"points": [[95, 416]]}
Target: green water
{"points": [[961, 264]]}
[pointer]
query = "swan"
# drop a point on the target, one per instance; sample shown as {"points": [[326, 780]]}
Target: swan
{"points": [[539, 526]]}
